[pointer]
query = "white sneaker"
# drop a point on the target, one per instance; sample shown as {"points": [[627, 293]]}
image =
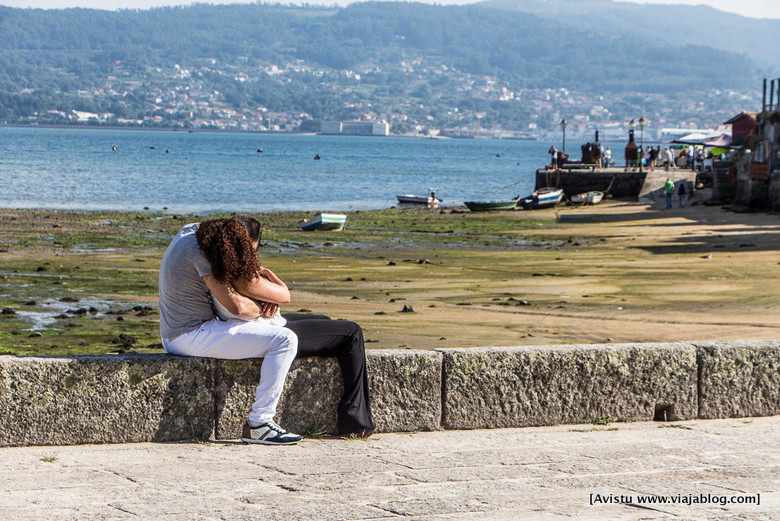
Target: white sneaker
{"points": [[268, 433]]}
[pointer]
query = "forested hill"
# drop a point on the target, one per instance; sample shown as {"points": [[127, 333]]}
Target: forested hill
{"points": [[674, 25], [49, 53], [529, 49]]}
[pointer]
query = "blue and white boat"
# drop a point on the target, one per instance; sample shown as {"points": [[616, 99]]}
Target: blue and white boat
{"points": [[542, 198]]}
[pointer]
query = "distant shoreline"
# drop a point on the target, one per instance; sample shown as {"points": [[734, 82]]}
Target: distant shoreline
{"points": [[157, 129]]}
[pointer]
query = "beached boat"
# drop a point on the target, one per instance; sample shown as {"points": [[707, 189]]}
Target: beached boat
{"points": [[324, 221], [430, 201], [541, 198], [587, 198], [490, 206]]}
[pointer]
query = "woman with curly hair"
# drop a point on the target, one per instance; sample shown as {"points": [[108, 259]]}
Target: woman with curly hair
{"points": [[189, 284], [244, 291], [317, 335]]}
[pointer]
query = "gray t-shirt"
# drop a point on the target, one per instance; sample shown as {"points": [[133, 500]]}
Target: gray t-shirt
{"points": [[184, 297]]}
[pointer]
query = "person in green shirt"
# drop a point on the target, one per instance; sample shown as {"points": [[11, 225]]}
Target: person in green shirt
{"points": [[668, 190]]}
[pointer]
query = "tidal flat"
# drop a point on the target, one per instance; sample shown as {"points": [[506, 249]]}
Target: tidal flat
{"points": [[620, 272]]}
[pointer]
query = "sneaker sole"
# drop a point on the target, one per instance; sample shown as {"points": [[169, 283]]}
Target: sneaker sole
{"points": [[263, 442]]}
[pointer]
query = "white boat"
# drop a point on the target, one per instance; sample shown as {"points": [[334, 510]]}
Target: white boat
{"points": [[430, 201], [324, 221], [587, 198]]}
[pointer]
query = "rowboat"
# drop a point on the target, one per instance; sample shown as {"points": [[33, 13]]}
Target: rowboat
{"points": [[587, 198], [324, 221], [542, 198], [490, 206], [430, 201]]}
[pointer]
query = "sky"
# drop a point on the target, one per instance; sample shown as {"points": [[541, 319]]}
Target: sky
{"points": [[751, 8]]}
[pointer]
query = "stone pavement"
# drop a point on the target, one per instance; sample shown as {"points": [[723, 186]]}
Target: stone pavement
{"points": [[710, 469]]}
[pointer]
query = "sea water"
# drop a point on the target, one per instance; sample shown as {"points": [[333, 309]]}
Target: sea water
{"points": [[206, 172]]}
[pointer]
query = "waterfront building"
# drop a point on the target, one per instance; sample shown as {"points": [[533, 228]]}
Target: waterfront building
{"points": [[355, 128], [754, 169]]}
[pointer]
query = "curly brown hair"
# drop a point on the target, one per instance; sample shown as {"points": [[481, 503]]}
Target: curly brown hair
{"points": [[227, 246]]}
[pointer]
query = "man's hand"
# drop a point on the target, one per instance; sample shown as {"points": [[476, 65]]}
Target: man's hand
{"points": [[267, 309]]}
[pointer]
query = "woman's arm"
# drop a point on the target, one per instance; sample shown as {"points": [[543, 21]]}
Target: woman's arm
{"points": [[233, 301], [267, 288]]}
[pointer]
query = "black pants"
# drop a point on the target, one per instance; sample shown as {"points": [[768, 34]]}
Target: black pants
{"points": [[319, 335]]}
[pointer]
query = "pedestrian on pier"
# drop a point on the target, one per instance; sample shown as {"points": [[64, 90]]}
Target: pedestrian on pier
{"points": [[607, 158], [668, 191], [667, 157]]}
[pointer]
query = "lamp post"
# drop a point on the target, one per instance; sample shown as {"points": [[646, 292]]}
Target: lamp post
{"points": [[641, 140], [563, 128], [632, 124]]}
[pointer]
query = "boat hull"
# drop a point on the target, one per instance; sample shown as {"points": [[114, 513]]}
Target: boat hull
{"points": [[491, 206], [418, 200], [587, 198], [542, 198], [324, 222]]}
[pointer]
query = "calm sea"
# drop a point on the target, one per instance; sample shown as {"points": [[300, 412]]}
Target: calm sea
{"points": [[205, 172]]}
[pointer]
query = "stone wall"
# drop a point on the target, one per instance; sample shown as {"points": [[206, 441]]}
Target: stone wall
{"points": [[620, 184], [133, 398]]}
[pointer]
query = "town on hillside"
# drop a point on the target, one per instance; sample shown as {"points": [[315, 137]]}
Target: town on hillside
{"points": [[185, 97]]}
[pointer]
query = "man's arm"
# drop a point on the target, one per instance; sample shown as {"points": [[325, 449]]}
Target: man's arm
{"points": [[233, 301], [267, 288]]}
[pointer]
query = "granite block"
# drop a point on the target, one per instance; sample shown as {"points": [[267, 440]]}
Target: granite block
{"points": [[739, 378], [104, 399], [549, 385]]}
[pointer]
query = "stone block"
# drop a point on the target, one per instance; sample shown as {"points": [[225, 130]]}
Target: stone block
{"points": [[739, 378], [311, 394], [104, 399], [548, 385], [405, 389]]}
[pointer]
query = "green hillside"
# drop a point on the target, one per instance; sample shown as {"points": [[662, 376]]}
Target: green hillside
{"points": [[323, 63]]}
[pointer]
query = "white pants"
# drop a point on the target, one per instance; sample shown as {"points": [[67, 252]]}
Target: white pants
{"points": [[238, 340]]}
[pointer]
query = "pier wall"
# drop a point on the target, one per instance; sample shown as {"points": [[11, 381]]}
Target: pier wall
{"points": [[134, 398], [619, 183]]}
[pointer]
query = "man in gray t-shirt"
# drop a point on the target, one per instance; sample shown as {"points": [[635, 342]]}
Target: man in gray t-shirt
{"points": [[184, 297], [189, 327]]}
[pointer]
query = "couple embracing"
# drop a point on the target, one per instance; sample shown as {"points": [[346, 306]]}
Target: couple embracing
{"points": [[217, 301]]}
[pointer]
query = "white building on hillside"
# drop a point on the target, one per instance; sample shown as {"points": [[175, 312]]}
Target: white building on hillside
{"points": [[355, 128]]}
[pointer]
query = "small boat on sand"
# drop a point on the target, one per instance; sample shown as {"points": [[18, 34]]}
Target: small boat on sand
{"points": [[541, 198], [491, 206], [587, 198], [430, 201], [324, 221]]}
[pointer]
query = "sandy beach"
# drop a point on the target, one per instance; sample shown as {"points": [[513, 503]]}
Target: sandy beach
{"points": [[620, 272], [419, 279]]}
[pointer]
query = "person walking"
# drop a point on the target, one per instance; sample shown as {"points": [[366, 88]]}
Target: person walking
{"points": [[668, 191], [667, 158]]}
